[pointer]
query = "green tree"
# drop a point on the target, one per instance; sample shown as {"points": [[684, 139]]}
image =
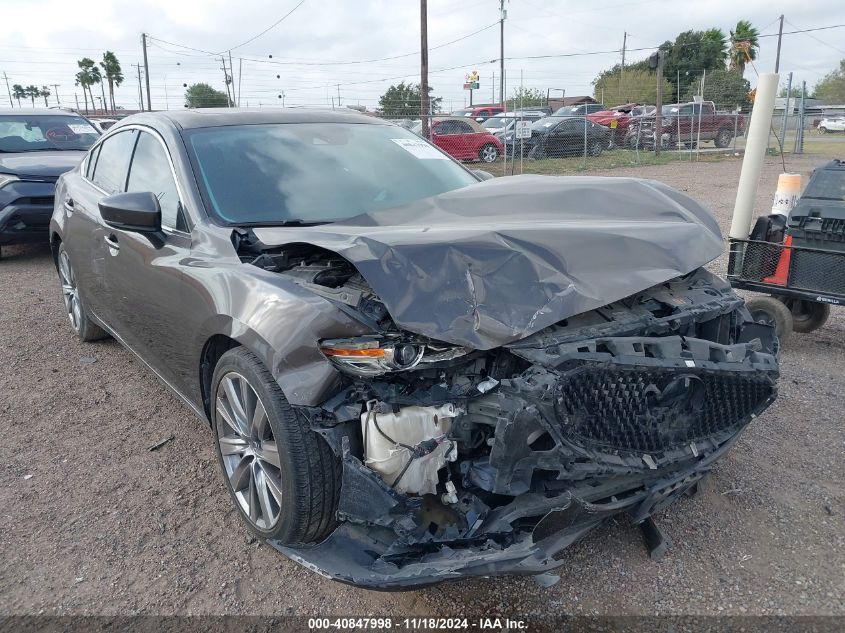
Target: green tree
{"points": [[202, 95], [403, 100], [525, 97], [795, 93], [33, 92], [88, 75], [45, 92], [831, 88], [19, 92], [726, 88], [744, 45], [113, 74], [691, 54], [635, 85]]}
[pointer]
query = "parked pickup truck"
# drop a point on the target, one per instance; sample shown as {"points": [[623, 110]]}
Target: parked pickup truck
{"points": [[687, 124]]}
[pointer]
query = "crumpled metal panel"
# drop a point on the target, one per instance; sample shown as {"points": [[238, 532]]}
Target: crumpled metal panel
{"points": [[494, 262]]}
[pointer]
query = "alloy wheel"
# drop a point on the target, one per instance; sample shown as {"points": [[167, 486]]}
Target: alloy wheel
{"points": [[248, 451], [489, 153], [70, 293]]}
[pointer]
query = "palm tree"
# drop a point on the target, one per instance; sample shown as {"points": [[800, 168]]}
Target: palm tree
{"points": [[45, 92], [18, 91], [715, 38], [113, 74], [744, 45], [32, 92], [87, 76]]}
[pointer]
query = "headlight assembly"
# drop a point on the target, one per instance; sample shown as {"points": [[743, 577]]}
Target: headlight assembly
{"points": [[375, 355], [5, 179]]}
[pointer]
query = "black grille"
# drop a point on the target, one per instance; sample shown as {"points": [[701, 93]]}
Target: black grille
{"points": [[652, 410]]}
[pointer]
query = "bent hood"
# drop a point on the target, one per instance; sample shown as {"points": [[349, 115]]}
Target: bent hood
{"points": [[495, 262]]}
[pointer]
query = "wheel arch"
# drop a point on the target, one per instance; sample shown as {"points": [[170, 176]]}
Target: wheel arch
{"points": [[55, 242]]}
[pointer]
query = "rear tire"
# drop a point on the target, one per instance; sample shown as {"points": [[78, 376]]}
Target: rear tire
{"points": [[80, 320], [488, 154], [771, 311], [807, 316], [282, 476], [723, 139], [536, 153], [822, 130], [595, 148]]}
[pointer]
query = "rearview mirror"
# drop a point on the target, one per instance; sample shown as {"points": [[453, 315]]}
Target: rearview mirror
{"points": [[137, 212]]}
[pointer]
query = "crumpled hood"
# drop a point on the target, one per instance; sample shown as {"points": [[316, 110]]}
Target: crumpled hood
{"points": [[494, 262], [40, 164]]}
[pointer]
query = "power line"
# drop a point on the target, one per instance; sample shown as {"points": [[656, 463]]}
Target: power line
{"points": [[269, 28]]}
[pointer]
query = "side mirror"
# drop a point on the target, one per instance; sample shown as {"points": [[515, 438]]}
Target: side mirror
{"points": [[480, 119], [483, 175], [137, 212]]}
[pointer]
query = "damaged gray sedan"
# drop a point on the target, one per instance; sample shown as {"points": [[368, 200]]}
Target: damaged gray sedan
{"points": [[412, 374]]}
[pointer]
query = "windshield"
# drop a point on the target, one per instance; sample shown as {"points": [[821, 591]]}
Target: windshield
{"points": [[498, 122], [567, 111], [30, 133], [315, 172], [544, 124], [462, 113], [669, 110]]}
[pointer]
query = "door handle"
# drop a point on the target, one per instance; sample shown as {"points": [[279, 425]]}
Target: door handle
{"points": [[69, 205], [111, 242]]}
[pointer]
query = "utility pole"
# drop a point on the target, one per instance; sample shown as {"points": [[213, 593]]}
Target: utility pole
{"points": [[502, 15], [338, 95], [240, 74], [226, 80], [76, 96], [780, 37], [658, 102], [11, 104], [140, 91], [232, 73], [146, 71], [622, 67], [424, 100], [103, 102], [56, 93], [786, 110], [493, 88]]}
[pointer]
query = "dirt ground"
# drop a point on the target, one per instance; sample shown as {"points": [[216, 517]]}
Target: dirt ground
{"points": [[92, 522]]}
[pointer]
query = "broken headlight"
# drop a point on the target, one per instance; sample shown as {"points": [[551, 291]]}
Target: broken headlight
{"points": [[372, 355]]}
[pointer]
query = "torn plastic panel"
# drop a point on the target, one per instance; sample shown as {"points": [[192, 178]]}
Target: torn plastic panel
{"points": [[495, 262], [622, 409]]}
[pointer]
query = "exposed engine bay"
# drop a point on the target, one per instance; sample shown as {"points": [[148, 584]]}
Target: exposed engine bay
{"points": [[460, 461]]}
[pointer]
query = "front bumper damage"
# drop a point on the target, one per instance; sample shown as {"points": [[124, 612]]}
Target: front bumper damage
{"points": [[623, 410]]}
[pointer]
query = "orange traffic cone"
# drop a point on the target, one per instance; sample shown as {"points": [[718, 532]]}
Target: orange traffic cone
{"points": [[782, 270]]}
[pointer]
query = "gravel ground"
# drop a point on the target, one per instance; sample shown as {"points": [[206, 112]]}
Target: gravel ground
{"points": [[91, 522]]}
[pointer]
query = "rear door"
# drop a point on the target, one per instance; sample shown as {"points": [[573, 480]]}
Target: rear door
{"points": [[103, 173], [144, 277]]}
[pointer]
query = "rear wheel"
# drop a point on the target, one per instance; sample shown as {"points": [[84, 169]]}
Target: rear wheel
{"points": [[595, 148], [771, 311], [822, 130], [488, 154], [691, 144], [282, 476], [807, 316], [81, 323], [723, 138], [536, 153]]}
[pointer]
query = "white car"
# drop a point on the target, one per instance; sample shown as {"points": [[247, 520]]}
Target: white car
{"points": [[832, 124]]}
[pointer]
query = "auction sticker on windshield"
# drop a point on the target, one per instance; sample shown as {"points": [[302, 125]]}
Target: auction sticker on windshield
{"points": [[419, 148], [81, 128]]}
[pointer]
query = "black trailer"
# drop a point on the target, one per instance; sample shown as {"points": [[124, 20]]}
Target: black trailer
{"points": [[800, 261]]}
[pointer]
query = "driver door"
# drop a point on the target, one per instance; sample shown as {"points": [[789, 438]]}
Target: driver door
{"points": [[144, 278]]}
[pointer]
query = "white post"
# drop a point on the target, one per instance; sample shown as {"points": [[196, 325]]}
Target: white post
{"points": [[755, 150]]}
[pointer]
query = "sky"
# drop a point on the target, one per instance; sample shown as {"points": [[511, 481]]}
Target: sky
{"points": [[312, 48]]}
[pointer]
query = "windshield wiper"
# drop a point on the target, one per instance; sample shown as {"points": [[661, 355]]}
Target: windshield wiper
{"points": [[286, 223]]}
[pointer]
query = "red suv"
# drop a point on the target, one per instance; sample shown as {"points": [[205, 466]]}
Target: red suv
{"points": [[464, 139]]}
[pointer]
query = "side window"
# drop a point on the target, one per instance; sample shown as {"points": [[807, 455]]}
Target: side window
{"points": [[150, 171], [92, 162], [113, 161], [446, 127], [463, 128]]}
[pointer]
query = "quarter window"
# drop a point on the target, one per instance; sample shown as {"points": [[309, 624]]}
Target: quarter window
{"points": [[113, 161], [150, 171]]}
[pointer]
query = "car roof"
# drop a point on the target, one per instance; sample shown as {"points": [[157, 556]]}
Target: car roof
{"points": [[475, 125], [37, 112], [218, 117]]}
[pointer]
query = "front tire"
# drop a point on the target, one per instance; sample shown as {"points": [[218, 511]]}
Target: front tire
{"points": [[771, 311], [488, 154], [84, 328], [595, 148], [282, 476], [723, 139], [822, 130]]}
